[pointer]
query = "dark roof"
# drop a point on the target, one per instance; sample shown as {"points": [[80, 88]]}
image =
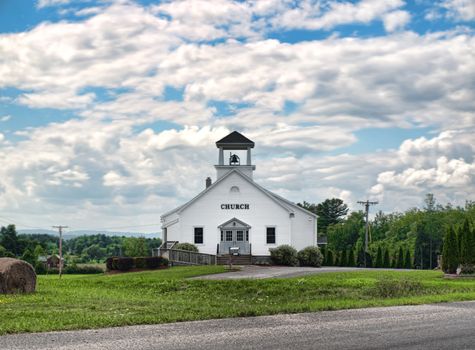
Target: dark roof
{"points": [[235, 138]]}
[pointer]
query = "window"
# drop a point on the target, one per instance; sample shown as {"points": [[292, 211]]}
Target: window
{"points": [[198, 235], [222, 235], [234, 189], [271, 235], [229, 236], [240, 236]]}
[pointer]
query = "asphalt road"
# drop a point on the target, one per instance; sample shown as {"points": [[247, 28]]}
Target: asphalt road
{"points": [[439, 326]]}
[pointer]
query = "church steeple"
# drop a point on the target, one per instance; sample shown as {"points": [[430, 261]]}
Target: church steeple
{"points": [[234, 142]]}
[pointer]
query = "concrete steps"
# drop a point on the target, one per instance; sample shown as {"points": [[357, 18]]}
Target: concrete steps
{"points": [[237, 259]]}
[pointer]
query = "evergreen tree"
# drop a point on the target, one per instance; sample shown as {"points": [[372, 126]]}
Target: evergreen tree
{"points": [[386, 260], [466, 244], [407, 260], [351, 258], [369, 260], [379, 258], [329, 258], [450, 255], [344, 258], [400, 259], [329, 212], [360, 258], [337, 259]]}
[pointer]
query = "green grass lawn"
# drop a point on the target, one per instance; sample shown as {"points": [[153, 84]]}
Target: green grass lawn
{"points": [[92, 301]]}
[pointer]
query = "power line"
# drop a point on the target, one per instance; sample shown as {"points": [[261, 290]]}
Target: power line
{"points": [[366, 204]]}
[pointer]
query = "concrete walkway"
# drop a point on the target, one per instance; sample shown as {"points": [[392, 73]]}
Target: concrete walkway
{"points": [[258, 272]]}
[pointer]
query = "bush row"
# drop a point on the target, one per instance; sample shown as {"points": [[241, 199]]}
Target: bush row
{"points": [[288, 255], [126, 263], [71, 269]]}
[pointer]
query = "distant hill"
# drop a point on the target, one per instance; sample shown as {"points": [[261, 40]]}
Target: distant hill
{"points": [[72, 234]]}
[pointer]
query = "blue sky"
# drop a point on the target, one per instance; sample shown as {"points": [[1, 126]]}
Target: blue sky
{"points": [[105, 105]]}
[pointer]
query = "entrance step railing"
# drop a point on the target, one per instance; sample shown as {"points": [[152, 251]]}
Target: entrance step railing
{"points": [[183, 257]]}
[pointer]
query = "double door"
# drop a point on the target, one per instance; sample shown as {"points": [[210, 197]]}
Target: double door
{"points": [[234, 237]]}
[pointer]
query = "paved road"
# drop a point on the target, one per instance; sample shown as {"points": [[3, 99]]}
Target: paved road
{"points": [[253, 271], [441, 326]]}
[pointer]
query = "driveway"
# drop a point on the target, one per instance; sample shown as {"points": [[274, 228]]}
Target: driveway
{"points": [[258, 272], [440, 326]]}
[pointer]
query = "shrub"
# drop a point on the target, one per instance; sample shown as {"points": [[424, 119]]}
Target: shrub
{"points": [[186, 246], [154, 262], [467, 269], [310, 256], [87, 269], [109, 263], [125, 264], [140, 262], [284, 255]]}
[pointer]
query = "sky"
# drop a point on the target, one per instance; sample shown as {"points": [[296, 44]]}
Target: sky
{"points": [[110, 109]]}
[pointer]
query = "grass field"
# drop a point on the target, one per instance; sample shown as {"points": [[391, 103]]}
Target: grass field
{"points": [[93, 301]]}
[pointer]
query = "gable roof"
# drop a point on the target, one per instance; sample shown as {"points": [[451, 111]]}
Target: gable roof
{"points": [[269, 194], [242, 223], [235, 139]]}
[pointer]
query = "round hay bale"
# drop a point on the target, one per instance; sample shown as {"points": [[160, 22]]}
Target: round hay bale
{"points": [[16, 276]]}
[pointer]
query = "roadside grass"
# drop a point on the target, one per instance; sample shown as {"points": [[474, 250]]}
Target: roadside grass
{"points": [[94, 301]]}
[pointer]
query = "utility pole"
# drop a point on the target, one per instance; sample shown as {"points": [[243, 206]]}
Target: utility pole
{"points": [[366, 204], [60, 230]]}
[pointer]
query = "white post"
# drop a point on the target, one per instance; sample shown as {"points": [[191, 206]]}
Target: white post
{"points": [[221, 156], [248, 156]]}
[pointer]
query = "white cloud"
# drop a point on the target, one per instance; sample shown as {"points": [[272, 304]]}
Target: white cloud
{"points": [[2, 137], [463, 10], [133, 154], [5, 118], [396, 20], [46, 3]]}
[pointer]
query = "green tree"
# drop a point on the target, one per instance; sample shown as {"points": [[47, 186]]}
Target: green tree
{"points": [[351, 258], [344, 235], [379, 258], [407, 260], [39, 251], [450, 253], [400, 259], [329, 258], [467, 250], [9, 239], [386, 259], [136, 247], [344, 258], [329, 212], [28, 256]]}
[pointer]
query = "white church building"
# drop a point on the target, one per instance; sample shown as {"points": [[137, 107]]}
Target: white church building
{"points": [[236, 212]]}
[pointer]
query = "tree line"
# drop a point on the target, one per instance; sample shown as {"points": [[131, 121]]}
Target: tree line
{"points": [[81, 249], [412, 239]]}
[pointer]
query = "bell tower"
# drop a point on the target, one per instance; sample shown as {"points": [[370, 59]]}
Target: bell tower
{"points": [[232, 143]]}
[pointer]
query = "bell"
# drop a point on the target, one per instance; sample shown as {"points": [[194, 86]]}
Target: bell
{"points": [[234, 159]]}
